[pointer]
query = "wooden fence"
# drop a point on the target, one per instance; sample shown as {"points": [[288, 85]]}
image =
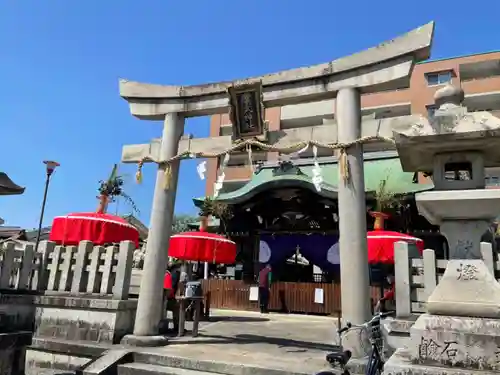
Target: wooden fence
{"points": [[290, 297], [416, 278], [285, 296], [82, 269]]}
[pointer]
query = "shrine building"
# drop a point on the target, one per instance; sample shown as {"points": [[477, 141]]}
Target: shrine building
{"points": [[279, 215]]}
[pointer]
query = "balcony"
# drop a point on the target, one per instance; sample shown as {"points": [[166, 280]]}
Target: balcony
{"points": [[481, 86], [388, 110], [483, 101], [479, 70], [238, 173], [307, 114], [384, 104], [238, 168]]}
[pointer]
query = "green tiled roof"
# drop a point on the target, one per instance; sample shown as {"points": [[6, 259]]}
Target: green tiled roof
{"points": [[389, 168], [212, 223]]}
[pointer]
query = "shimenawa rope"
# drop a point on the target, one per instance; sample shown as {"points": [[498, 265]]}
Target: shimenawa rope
{"points": [[247, 144]]}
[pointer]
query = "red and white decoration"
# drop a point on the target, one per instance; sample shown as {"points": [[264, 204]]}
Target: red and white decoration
{"points": [[89, 226], [202, 247], [381, 245]]}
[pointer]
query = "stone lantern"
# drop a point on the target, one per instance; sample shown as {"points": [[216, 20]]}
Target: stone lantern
{"points": [[455, 147], [460, 333]]}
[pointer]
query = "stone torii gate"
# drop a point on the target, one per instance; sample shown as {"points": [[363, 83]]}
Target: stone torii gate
{"points": [[385, 67]]}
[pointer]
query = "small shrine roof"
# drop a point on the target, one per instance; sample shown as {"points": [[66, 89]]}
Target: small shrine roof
{"points": [[8, 187], [376, 170], [12, 232]]}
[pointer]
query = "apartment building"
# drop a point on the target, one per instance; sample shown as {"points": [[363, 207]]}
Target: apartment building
{"points": [[478, 75]]}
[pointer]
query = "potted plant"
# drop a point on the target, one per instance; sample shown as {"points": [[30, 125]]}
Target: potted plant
{"points": [[211, 207], [385, 200], [110, 189]]}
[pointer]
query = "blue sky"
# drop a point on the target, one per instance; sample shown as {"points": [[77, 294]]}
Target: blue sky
{"points": [[61, 60]]}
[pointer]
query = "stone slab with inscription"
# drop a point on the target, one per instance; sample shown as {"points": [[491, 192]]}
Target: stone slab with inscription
{"points": [[467, 289], [461, 332], [454, 341], [401, 364]]}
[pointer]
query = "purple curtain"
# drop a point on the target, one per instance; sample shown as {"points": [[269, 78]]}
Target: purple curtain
{"points": [[314, 248], [282, 248]]}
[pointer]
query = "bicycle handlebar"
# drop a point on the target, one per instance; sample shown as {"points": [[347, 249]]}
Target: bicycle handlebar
{"points": [[377, 316], [346, 328]]}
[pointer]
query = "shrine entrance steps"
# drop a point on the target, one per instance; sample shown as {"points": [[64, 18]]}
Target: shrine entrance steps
{"points": [[232, 343]]}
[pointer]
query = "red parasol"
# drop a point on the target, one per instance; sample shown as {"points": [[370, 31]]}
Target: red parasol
{"points": [[202, 247], [98, 228], [381, 245]]}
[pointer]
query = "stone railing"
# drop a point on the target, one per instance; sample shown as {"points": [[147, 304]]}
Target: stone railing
{"points": [[87, 269], [82, 269], [19, 270], [416, 278]]}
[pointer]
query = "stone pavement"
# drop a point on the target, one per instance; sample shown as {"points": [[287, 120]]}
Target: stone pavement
{"points": [[278, 341]]}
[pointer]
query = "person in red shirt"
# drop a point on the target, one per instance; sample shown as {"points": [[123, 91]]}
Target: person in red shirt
{"points": [[265, 278], [170, 284], [388, 297]]}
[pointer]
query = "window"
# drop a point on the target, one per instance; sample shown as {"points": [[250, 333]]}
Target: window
{"points": [[438, 78], [492, 180], [458, 171], [431, 109]]}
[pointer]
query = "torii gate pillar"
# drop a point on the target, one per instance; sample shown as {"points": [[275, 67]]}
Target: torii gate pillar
{"points": [[354, 273], [149, 306]]}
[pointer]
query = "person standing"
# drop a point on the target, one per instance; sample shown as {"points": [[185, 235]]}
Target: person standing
{"points": [[170, 286], [387, 301], [265, 277]]}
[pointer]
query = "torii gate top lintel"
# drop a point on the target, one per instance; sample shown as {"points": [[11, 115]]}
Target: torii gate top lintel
{"points": [[384, 67]]}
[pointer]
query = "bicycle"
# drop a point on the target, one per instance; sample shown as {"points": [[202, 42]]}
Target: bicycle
{"points": [[375, 364]]}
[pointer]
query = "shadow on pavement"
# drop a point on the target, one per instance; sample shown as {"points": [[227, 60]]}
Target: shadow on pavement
{"points": [[257, 339], [242, 319]]}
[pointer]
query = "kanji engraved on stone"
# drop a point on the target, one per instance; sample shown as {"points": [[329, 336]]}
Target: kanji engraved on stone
{"points": [[450, 350], [429, 349], [467, 271]]}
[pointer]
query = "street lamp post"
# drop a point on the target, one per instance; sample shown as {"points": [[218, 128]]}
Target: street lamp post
{"points": [[50, 167]]}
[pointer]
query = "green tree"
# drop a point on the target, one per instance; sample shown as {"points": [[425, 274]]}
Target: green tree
{"points": [[111, 189], [181, 221]]}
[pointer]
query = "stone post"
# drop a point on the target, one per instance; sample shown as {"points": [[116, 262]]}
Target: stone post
{"points": [[124, 270], [149, 307], [354, 274], [402, 268], [205, 271]]}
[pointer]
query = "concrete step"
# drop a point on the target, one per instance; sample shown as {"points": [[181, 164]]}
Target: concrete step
{"points": [[147, 369], [106, 363], [60, 355], [44, 371], [215, 366]]}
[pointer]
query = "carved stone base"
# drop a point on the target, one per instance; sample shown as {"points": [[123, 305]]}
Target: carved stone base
{"points": [[467, 288], [461, 333], [400, 364], [472, 343]]}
